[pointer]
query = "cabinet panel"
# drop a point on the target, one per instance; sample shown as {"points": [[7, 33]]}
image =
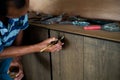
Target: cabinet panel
{"points": [[68, 63], [101, 59], [36, 66]]}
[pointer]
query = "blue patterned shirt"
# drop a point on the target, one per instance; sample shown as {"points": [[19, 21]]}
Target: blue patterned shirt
{"points": [[7, 37]]}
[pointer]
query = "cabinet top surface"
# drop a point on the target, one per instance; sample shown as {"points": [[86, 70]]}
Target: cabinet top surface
{"points": [[113, 36]]}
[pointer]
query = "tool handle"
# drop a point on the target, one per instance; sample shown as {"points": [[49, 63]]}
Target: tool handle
{"points": [[42, 50]]}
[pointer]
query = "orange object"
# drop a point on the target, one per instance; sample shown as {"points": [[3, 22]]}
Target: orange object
{"points": [[92, 27]]}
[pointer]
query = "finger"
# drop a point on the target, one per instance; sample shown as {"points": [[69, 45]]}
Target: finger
{"points": [[59, 47], [53, 49], [56, 48], [19, 77], [20, 72], [60, 43], [51, 39]]}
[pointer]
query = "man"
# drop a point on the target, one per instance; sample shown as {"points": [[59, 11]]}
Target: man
{"points": [[13, 20]]}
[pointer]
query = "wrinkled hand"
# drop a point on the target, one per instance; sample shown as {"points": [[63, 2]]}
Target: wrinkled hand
{"points": [[54, 48], [16, 62]]}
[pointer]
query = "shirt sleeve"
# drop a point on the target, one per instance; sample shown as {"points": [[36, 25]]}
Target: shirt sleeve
{"points": [[25, 22], [1, 32], [1, 45]]}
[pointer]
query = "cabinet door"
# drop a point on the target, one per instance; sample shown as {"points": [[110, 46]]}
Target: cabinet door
{"points": [[36, 66], [101, 59], [67, 64], [86, 58]]}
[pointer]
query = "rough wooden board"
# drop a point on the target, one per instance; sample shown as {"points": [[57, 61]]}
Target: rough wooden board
{"points": [[68, 63], [36, 66], [101, 59]]}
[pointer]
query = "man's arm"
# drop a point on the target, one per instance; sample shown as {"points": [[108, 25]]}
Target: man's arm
{"points": [[17, 60], [18, 40], [15, 51]]}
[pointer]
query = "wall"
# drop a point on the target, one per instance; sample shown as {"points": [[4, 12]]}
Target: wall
{"points": [[102, 9]]}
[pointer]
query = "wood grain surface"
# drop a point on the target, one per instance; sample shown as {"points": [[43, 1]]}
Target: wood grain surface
{"points": [[68, 63], [101, 59]]}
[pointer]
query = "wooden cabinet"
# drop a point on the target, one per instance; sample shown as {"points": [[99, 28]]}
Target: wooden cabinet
{"points": [[82, 58]]}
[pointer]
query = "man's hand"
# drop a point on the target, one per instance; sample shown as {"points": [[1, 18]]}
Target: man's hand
{"points": [[16, 63], [53, 48]]}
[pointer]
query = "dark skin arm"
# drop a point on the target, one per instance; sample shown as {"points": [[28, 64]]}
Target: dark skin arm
{"points": [[15, 51], [18, 40], [17, 60]]}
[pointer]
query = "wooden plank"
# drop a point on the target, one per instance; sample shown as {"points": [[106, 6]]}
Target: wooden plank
{"points": [[68, 63], [113, 36], [101, 59], [36, 66]]}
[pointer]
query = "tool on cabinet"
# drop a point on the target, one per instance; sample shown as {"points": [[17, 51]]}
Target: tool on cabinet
{"points": [[111, 27], [92, 27]]}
